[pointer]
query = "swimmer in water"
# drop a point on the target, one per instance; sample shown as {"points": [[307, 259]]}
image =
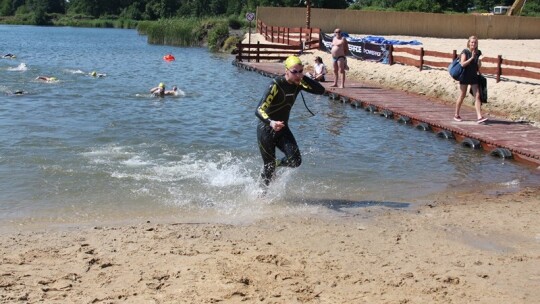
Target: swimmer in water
{"points": [[172, 92], [158, 91], [16, 93], [9, 56], [47, 78], [97, 75]]}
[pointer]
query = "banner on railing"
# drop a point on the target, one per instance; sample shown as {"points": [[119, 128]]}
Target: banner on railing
{"points": [[361, 50]]}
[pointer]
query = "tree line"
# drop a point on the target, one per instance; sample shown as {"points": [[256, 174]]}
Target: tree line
{"points": [[153, 9], [159, 9], [532, 7]]}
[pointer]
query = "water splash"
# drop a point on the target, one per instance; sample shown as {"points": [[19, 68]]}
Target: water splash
{"points": [[20, 68]]}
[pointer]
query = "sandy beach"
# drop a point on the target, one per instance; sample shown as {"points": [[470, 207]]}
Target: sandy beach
{"points": [[480, 246], [460, 248], [513, 98]]}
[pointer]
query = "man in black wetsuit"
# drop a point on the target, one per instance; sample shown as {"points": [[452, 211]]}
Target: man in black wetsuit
{"points": [[273, 111]]}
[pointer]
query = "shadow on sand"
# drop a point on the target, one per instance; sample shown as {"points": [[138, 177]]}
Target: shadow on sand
{"points": [[340, 204]]}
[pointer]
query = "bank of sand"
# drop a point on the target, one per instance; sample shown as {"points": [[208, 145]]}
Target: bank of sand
{"points": [[514, 98], [460, 247]]}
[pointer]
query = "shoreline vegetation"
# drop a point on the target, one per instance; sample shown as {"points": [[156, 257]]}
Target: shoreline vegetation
{"points": [[216, 33]]}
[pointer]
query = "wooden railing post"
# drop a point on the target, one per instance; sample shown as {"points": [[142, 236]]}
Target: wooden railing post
{"points": [[391, 55], [258, 56], [301, 36], [239, 55], [421, 58], [499, 67]]}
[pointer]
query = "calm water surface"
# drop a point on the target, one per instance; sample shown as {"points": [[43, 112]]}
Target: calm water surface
{"points": [[87, 149]]}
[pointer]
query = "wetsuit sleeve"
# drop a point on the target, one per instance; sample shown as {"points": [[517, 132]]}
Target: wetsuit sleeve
{"points": [[265, 103], [311, 86]]}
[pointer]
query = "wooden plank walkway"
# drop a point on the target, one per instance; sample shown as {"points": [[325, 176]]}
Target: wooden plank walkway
{"points": [[497, 136]]}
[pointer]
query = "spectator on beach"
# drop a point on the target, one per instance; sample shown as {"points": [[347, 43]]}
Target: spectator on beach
{"points": [[320, 70], [273, 112], [470, 61], [340, 49]]}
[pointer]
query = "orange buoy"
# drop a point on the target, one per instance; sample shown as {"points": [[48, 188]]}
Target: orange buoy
{"points": [[169, 57]]}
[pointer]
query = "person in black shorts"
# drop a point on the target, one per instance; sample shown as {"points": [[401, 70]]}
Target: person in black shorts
{"points": [[470, 61], [273, 112]]}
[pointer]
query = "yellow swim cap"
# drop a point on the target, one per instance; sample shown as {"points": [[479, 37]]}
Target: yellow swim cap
{"points": [[292, 61], [161, 85], [52, 79], [94, 73]]}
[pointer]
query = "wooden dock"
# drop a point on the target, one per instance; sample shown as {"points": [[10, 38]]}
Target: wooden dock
{"points": [[499, 137]]}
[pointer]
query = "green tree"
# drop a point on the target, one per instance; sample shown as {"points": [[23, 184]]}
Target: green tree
{"points": [[428, 6], [133, 11], [5, 8], [85, 7], [334, 4], [531, 8], [218, 7], [168, 8]]}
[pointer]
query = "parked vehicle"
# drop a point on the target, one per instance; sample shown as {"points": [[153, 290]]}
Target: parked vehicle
{"points": [[500, 10]]}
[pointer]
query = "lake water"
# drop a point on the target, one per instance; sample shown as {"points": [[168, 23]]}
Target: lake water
{"points": [[94, 150]]}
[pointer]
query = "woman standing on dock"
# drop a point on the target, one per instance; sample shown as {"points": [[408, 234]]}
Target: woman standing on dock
{"points": [[470, 61]]}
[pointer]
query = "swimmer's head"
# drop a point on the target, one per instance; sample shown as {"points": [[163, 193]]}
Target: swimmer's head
{"points": [[292, 61], [53, 79], [94, 73], [161, 85]]}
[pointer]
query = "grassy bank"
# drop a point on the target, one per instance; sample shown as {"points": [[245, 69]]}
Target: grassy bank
{"points": [[215, 33], [218, 34], [69, 20]]}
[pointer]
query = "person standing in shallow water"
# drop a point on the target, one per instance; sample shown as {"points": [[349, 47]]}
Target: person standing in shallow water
{"points": [[340, 48], [273, 112], [470, 61]]}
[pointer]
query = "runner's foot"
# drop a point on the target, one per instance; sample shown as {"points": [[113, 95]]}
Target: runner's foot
{"points": [[481, 120]]}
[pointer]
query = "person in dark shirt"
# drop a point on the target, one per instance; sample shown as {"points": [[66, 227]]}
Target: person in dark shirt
{"points": [[470, 61], [273, 112]]}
